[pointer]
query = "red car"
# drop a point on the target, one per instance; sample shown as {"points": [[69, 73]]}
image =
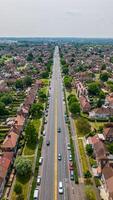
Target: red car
{"points": [[71, 167]]}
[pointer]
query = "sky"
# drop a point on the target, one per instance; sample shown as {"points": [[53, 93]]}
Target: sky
{"points": [[56, 18]]}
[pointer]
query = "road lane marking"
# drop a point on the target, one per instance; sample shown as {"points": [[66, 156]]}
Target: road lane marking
{"points": [[55, 153]]}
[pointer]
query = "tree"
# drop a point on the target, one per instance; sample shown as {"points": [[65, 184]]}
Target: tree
{"points": [[45, 74], [110, 148], [23, 167], [104, 76], [87, 174], [28, 81], [74, 108], [90, 194], [72, 99], [30, 134], [103, 66], [94, 88], [19, 84], [42, 96], [7, 99], [30, 57], [67, 82], [17, 188], [3, 110], [36, 110], [83, 126], [89, 149]]}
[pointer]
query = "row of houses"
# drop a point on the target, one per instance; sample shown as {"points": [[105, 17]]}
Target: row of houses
{"points": [[82, 94], [104, 159], [10, 144]]}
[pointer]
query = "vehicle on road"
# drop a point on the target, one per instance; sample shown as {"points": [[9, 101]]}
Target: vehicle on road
{"points": [[70, 157], [45, 122], [59, 157], [71, 167], [36, 194], [40, 160], [60, 188], [48, 142], [44, 133], [72, 175], [38, 180], [59, 130], [68, 147]]}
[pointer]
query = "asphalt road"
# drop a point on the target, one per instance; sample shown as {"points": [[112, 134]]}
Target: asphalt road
{"points": [[52, 171]]}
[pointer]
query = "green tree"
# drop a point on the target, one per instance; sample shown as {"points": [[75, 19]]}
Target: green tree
{"points": [[94, 88], [42, 96], [110, 148], [45, 74], [30, 57], [17, 188], [30, 134], [74, 108], [23, 167], [27, 81], [36, 110], [89, 149], [19, 84], [104, 76], [7, 99], [3, 110], [67, 82]]}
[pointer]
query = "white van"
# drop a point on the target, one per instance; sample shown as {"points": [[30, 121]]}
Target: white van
{"points": [[36, 194], [60, 188]]}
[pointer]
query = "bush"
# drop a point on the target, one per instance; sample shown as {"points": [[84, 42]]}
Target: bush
{"points": [[18, 188], [20, 197], [90, 194]]}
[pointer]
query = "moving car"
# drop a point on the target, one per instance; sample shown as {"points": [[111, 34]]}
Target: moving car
{"points": [[48, 142], [59, 157], [59, 130], [60, 188]]}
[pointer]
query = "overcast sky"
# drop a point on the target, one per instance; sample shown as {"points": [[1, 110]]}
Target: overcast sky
{"points": [[79, 18]]}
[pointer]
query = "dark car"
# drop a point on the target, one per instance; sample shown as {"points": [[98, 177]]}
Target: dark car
{"points": [[59, 130], [48, 142]]}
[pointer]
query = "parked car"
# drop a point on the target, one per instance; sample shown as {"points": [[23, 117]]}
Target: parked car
{"points": [[38, 180], [48, 142], [40, 160]]}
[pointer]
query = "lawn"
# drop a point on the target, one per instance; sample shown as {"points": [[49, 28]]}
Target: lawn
{"points": [[83, 156], [97, 125], [37, 123]]}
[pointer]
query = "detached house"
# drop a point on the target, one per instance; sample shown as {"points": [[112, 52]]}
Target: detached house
{"points": [[102, 112], [108, 133], [84, 103]]}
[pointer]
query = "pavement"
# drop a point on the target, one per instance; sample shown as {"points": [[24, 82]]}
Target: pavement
{"points": [[52, 171]]}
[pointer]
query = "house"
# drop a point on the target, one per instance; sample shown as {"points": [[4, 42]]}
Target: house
{"points": [[109, 100], [84, 103], [107, 178], [101, 113], [4, 172], [10, 142], [108, 133], [81, 90]]}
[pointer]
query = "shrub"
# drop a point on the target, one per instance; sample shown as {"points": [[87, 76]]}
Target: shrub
{"points": [[18, 188]]}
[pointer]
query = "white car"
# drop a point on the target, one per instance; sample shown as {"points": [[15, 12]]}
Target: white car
{"points": [[70, 157], [38, 180], [68, 147], [60, 188], [40, 160]]}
